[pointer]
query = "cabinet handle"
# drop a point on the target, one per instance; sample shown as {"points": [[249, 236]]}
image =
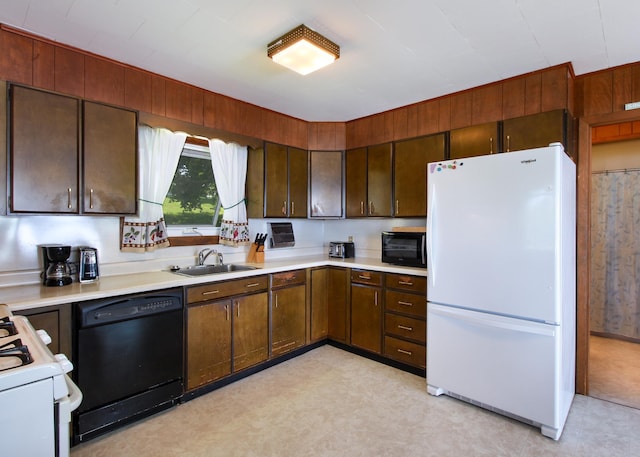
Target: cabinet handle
{"points": [[237, 309], [362, 207], [370, 208], [69, 198], [402, 351], [491, 144], [253, 284], [397, 207], [91, 198], [405, 303], [226, 310], [508, 143], [293, 208], [405, 283], [404, 327], [284, 207], [276, 297], [210, 292], [375, 298]]}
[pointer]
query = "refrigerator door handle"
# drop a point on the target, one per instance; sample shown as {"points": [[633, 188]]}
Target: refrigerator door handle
{"points": [[495, 321], [431, 276]]}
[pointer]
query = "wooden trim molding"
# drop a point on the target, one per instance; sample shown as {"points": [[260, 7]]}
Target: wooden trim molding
{"points": [[193, 240]]}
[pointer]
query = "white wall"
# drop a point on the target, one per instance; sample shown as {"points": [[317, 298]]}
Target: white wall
{"points": [[20, 236]]}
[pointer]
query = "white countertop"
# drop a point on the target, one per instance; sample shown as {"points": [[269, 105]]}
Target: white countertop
{"points": [[35, 295]]}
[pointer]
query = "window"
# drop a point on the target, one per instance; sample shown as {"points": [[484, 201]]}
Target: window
{"points": [[192, 205]]}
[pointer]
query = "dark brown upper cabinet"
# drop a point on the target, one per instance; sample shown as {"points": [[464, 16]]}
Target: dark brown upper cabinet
{"points": [[410, 160], [537, 130], [68, 156], [286, 181], [476, 140], [369, 173], [326, 184]]}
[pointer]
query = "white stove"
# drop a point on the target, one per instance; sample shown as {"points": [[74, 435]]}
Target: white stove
{"points": [[35, 389]]}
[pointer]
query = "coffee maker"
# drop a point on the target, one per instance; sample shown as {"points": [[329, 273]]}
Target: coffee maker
{"points": [[57, 271]]}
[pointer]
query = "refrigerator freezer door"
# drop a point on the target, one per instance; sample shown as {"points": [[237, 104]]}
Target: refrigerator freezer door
{"points": [[504, 363], [494, 233]]}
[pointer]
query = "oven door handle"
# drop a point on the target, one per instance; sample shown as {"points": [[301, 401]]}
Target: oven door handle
{"points": [[75, 395]]}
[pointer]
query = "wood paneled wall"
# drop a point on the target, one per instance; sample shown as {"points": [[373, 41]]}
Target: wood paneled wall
{"points": [[607, 91], [532, 93], [36, 62]]}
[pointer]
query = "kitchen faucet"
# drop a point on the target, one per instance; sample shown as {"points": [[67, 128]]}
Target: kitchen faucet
{"points": [[204, 253]]}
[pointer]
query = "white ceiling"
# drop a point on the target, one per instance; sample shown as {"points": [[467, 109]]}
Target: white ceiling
{"points": [[393, 53]]}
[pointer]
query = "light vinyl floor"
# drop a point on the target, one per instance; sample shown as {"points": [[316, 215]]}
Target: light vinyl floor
{"points": [[329, 402]]}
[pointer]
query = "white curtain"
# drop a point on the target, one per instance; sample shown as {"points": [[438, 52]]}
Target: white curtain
{"points": [[614, 297], [229, 163], [159, 153]]}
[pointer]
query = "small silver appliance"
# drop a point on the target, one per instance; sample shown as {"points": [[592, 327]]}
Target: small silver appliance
{"points": [[89, 271], [342, 249]]}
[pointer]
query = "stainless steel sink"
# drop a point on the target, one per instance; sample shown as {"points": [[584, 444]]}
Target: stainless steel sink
{"points": [[201, 270]]}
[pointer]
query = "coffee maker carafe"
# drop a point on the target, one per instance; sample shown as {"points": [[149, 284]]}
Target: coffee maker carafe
{"points": [[88, 264], [57, 271]]}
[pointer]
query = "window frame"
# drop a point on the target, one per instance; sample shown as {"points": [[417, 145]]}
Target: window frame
{"points": [[188, 238]]}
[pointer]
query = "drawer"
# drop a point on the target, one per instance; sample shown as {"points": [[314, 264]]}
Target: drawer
{"points": [[215, 290], [373, 278], [405, 327], [417, 284], [288, 278], [405, 351], [406, 303]]}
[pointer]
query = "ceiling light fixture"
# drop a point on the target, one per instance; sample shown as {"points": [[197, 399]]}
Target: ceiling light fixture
{"points": [[303, 50]]}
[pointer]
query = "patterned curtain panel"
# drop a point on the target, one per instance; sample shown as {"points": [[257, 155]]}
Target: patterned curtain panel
{"points": [[229, 163], [615, 254], [159, 151]]}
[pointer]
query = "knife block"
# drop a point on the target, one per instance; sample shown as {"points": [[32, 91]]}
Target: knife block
{"points": [[256, 253]]}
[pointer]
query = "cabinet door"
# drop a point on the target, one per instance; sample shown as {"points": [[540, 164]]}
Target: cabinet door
{"points": [[56, 321], [109, 160], [255, 183], [535, 131], [337, 299], [410, 159], [356, 182], [276, 180], [250, 330], [208, 342], [288, 319], [298, 182], [326, 183], [476, 140], [379, 179], [43, 152], [366, 317], [319, 321]]}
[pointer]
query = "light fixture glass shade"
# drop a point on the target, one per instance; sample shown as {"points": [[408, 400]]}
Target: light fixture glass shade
{"points": [[303, 57], [303, 50]]}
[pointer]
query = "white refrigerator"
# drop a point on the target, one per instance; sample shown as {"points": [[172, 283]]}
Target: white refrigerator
{"points": [[501, 287]]}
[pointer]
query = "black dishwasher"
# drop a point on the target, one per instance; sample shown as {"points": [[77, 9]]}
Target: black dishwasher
{"points": [[128, 356]]}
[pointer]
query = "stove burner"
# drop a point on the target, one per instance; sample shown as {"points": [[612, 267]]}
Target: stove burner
{"points": [[13, 352], [7, 327]]}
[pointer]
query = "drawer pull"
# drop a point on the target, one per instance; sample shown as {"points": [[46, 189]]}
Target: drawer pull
{"points": [[368, 278], [405, 303], [253, 284], [211, 292], [405, 283], [404, 327], [402, 351]]}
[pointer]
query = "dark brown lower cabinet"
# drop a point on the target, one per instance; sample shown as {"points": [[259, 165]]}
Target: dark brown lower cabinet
{"points": [[288, 311], [366, 310]]}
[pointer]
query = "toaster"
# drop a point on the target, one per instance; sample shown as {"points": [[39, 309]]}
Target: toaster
{"points": [[342, 249]]}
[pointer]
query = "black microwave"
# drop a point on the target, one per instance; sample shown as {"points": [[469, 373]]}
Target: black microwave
{"points": [[405, 248]]}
